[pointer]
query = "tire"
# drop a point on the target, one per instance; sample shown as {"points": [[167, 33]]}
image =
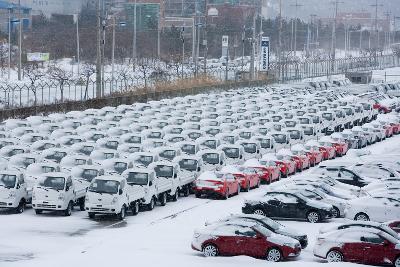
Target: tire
{"points": [[248, 187], [210, 250], [175, 196], [334, 256], [38, 211], [163, 200], [21, 207], [226, 196], [82, 204], [68, 211], [91, 215], [135, 208], [259, 212], [186, 191], [122, 214], [397, 262], [259, 183], [285, 175], [336, 212], [151, 205], [361, 217], [197, 195], [313, 217], [238, 190], [274, 255]]}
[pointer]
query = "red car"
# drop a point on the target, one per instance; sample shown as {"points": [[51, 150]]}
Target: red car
{"points": [[395, 225], [315, 154], [289, 162], [248, 177], [341, 148], [216, 184], [328, 152], [302, 160], [359, 245], [286, 167], [249, 239], [268, 169]]}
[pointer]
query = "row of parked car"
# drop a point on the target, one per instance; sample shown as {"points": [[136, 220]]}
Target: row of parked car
{"points": [[131, 157]]}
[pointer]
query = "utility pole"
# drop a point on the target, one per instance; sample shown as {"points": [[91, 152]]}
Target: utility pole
{"points": [[395, 28], [333, 48], [205, 40], [77, 43], [134, 55], [279, 50], [376, 28], [183, 47], [112, 52], [243, 43], [388, 33], [19, 42], [252, 74], [9, 43], [98, 51], [297, 5]]}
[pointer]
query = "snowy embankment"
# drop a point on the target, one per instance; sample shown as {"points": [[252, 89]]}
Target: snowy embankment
{"points": [[161, 237]]}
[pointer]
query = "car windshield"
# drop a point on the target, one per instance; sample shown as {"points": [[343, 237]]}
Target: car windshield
{"points": [[137, 178], [268, 163], [164, 171], [308, 130], [56, 183], [89, 174], [47, 169], [232, 153], [294, 134], [188, 164], [210, 144], [250, 147], [104, 186], [144, 160], [28, 161], [96, 137], [304, 120], [15, 152], [189, 149], [177, 139], [273, 224], [57, 156], [120, 167], [194, 135], [87, 150], [168, 154], [290, 123], [327, 116], [7, 180], [211, 158], [134, 140], [112, 145], [280, 138], [229, 139]]}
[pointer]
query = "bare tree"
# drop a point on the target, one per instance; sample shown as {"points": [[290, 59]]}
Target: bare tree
{"points": [[61, 76], [123, 73], [3, 57], [87, 71], [144, 68], [34, 74]]}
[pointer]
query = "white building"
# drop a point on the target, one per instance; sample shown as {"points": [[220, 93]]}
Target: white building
{"points": [[59, 7]]}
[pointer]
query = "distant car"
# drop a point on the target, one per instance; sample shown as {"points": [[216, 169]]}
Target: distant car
{"points": [[270, 224], [250, 239], [288, 205], [379, 209], [216, 184], [359, 245], [394, 225], [247, 176]]}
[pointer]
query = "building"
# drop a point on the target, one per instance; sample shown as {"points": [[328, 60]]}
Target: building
{"points": [[11, 11], [57, 7], [365, 20], [148, 14]]}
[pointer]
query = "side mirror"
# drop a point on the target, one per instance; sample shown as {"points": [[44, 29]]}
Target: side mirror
{"points": [[150, 183], [258, 151], [198, 169], [18, 186], [241, 157], [339, 174], [67, 188], [120, 192], [175, 175], [221, 163]]}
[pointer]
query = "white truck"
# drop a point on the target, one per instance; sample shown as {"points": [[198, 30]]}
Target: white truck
{"points": [[57, 191], [14, 192], [112, 195]]}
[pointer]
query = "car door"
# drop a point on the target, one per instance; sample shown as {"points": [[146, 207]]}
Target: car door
{"points": [[353, 247], [272, 205], [254, 244], [289, 206], [226, 240], [374, 248]]}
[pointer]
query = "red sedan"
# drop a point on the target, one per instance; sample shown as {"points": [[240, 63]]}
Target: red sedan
{"points": [[216, 184], [248, 239], [328, 152], [269, 170], [248, 177]]}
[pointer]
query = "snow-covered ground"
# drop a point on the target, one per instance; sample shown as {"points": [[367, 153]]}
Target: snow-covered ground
{"points": [[161, 237]]}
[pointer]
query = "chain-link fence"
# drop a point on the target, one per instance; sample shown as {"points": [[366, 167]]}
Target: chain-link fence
{"points": [[53, 91]]}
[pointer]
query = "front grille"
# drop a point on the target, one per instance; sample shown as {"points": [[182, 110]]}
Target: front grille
{"points": [[3, 204], [99, 209], [46, 206]]}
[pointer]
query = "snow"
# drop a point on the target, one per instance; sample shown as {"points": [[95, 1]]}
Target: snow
{"points": [[161, 237]]}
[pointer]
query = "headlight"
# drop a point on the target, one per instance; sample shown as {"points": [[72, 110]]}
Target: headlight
{"points": [[61, 197], [12, 194], [291, 245], [115, 200]]}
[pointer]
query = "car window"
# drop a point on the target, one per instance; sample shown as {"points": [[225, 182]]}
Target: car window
{"points": [[344, 174], [371, 238], [248, 232]]}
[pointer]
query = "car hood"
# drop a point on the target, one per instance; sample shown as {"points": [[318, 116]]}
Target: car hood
{"points": [[319, 205], [284, 230], [100, 199]]}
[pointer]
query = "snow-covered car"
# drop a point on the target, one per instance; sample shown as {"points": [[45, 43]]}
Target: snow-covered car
{"points": [[374, 208], [14, 191], [248, 177], [223, 240], [358, 245], [217, 184]]}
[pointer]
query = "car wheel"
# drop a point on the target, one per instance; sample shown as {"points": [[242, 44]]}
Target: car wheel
{"points": [[210, 250], [175, 196], [334, 256], [38, 211], [248, 187], [226, 194], [259, 183], [21, 207], [313, 217], [274, 255], [259, 212], [135, 208], [336, 212], [186, 191], [397, 262], [150, 206], [82, 204], [238, 190], [361, 217], [91, 215], [163, 200], [122, 214], [68, 211], [197, 195]]}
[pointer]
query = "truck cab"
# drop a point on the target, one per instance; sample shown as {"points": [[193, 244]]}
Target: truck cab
{"points": [[14, 192]]}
